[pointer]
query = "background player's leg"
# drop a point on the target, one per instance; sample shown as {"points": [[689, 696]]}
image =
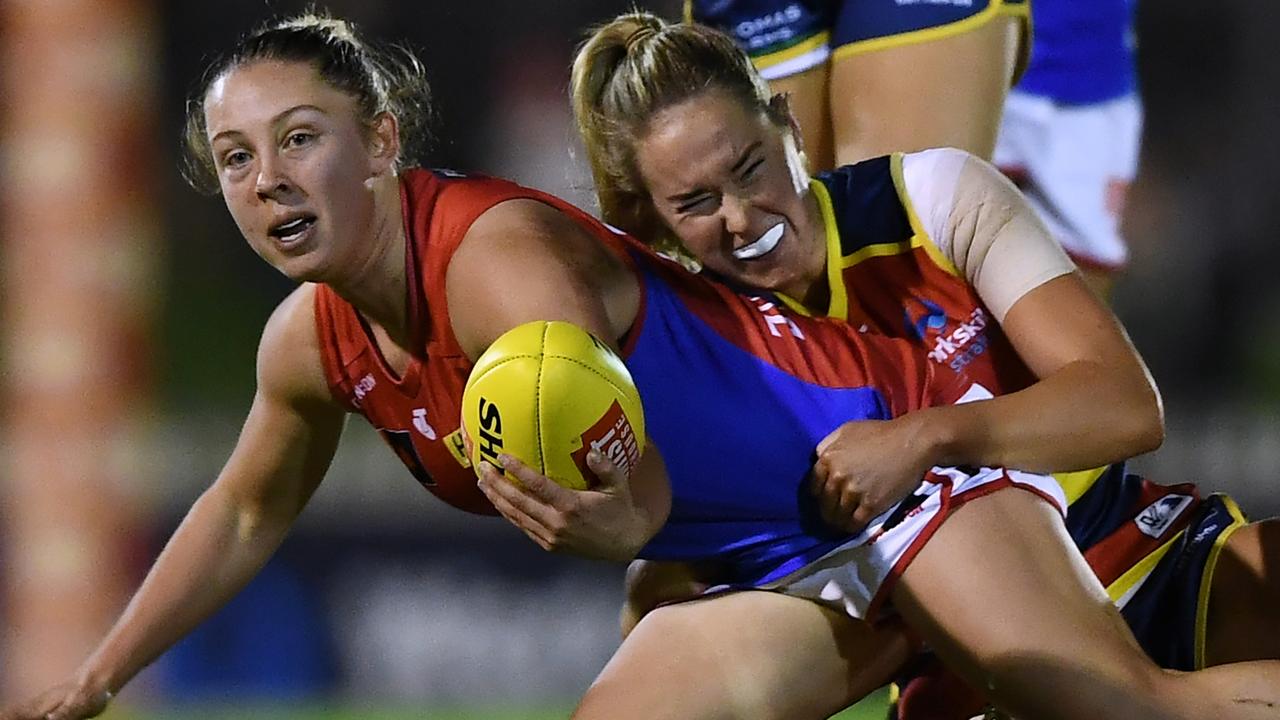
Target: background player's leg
{"points": [[935, 93], [751, 655], [1003, 597], [1244, 602]]}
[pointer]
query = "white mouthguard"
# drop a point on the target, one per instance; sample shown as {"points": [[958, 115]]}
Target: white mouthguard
{"points": [[762, 246]]}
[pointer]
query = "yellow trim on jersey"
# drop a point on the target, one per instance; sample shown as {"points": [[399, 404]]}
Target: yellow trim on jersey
{"points": [[1075, 484], [836, 263], [1206, 579], [919, 237], [777, 58], [1140, 570], [996, 8], [838, 306]]}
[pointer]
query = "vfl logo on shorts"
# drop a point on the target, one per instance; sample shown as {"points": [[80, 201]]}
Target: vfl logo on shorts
{"points": [[1159, 515]]}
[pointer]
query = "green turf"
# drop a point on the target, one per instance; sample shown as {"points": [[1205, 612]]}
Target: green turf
{"points": [[871, 709]]}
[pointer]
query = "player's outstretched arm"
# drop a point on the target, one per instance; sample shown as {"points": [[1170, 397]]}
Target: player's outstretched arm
{"points": [[284, 450], [521, 261]]}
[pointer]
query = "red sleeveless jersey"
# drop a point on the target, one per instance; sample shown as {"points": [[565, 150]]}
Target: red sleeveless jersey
{"points": [[418, 413]]}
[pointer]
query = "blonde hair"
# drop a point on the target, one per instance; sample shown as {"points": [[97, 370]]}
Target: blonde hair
{"points": [[627, 71]]}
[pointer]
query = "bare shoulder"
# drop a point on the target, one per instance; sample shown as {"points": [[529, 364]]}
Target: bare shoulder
{"points": [[528, 225], [526, 260], [289, 363]]}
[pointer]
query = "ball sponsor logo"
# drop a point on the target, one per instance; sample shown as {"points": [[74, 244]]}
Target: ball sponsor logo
{"points": [[490, 431], [614, 437]]}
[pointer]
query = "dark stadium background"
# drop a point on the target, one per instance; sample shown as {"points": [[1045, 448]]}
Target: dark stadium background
{"points": [[383, 599]]}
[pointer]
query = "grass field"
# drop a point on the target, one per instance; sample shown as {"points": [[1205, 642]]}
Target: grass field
{"points": [[871, 709]]}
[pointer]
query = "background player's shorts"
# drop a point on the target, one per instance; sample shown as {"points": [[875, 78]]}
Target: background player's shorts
{"points": [[857, 577], [1075, 163], [786, 37]]}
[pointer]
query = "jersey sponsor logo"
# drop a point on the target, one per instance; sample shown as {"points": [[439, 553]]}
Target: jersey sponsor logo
{"points": [[764, 30], [773, 318], [363, 387], [955, 346], [457, 446], [932, 320], [420, 423], [1157, 517]]}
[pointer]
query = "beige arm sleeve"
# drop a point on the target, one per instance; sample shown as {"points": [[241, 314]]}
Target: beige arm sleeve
{"points": [[980, 221]]}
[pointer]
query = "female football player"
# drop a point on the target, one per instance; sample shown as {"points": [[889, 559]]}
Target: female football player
{"points": [[407, 275], [691, 153]]}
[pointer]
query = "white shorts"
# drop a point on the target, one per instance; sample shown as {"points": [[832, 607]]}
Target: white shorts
{"points": [[1075, 163], [857, 577]]}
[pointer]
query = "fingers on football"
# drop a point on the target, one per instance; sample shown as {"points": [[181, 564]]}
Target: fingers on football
{"points": [[610, 475], [506, 498], [540, 506], [534, 482]]}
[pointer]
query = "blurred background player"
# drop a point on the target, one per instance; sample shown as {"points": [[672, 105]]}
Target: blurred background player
{"points": [[867, 78], [1070, 133]]}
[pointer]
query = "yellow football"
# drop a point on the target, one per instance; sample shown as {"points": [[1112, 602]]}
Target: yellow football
{"points": [[546, 392]]}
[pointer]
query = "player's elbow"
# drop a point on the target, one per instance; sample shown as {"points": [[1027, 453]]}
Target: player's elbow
{"points": [[1143, 430]]}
